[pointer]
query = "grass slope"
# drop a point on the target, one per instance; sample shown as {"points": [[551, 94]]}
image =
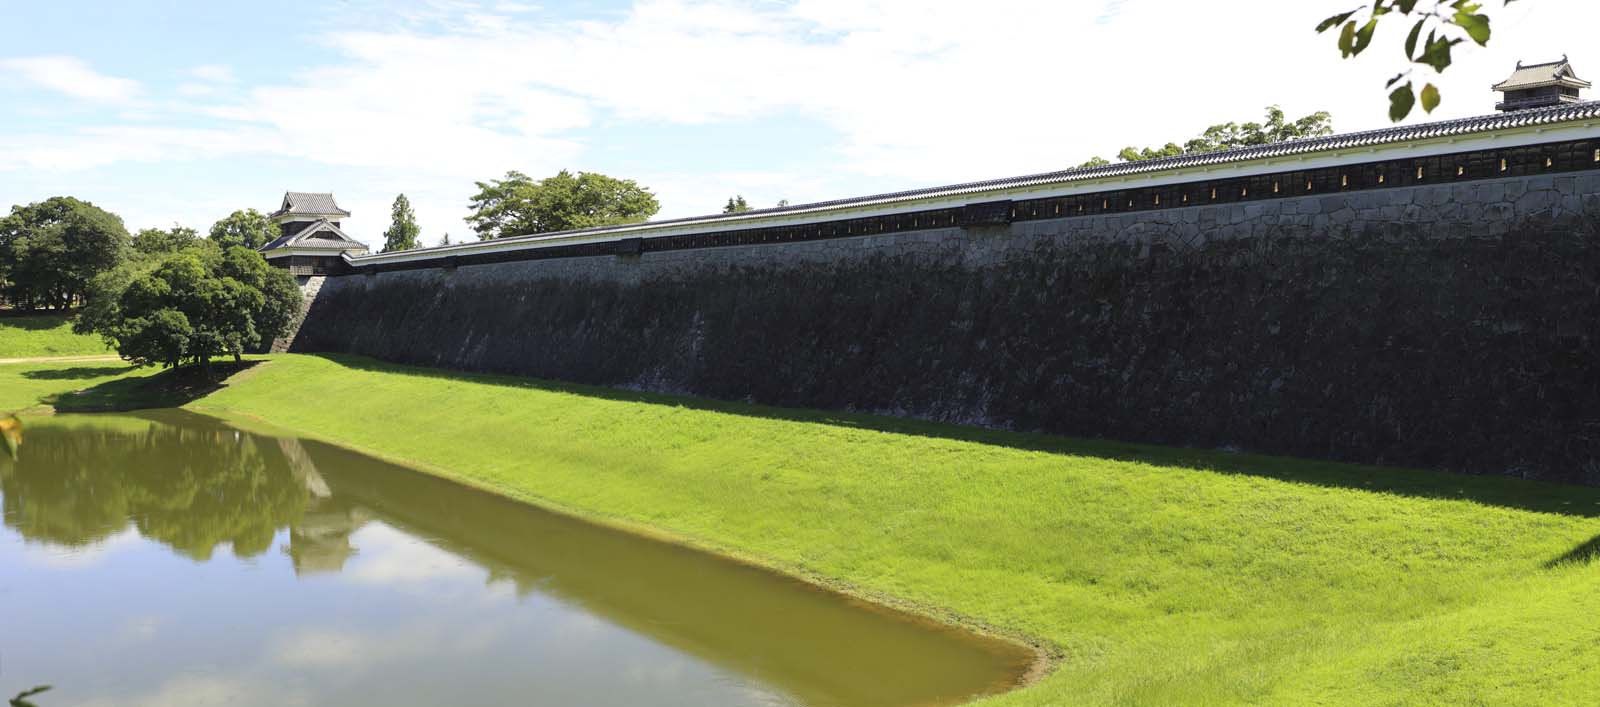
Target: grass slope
{"points": [[26, 386], [45, 335], [1161, 576]]}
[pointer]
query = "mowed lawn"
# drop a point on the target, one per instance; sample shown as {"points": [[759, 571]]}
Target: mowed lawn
{"points": [[1157, 576], [46, 335], [31, 386]]}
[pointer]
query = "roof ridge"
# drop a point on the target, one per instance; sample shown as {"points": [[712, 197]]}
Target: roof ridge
{"points": [[1376, 136]]}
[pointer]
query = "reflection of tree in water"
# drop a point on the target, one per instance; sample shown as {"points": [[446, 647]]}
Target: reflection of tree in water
{"points": [[192, 488]]}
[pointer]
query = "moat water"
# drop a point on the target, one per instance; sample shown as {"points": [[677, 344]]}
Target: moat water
{"points": [[167, 558]]}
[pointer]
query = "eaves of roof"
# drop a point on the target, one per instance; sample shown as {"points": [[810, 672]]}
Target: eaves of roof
{"points": [[1570, 112]]}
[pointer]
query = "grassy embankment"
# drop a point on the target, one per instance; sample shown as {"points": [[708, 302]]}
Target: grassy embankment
{"points": [[45, 335], [1161, 576]]}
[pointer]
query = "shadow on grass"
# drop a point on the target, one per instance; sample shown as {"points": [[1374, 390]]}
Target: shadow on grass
{"points": [[33, 321], [1539, 496], [168, 389], [1581, 555], [74, 373]]}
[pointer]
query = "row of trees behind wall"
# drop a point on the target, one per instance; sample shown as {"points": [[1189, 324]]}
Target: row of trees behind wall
{"points": [[51, 250]]}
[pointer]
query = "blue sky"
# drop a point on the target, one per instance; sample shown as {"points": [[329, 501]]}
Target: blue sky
{"points": [[184, 111]]}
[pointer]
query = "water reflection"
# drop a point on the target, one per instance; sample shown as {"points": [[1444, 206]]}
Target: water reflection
{"points": [[191, 487], [394, 587]]}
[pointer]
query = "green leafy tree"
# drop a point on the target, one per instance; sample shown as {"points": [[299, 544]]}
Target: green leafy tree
{"points": [[736, 205], [518, 205], [158, 241], [445, 240], [403, 233], [1230, 135], [1447, 24], [192, 306], [51, 249], [782, 203], [246, 227]]}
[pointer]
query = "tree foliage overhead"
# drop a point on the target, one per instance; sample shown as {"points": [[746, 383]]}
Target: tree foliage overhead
{"points": [[736, 205], [1447, 23], [403, 233], [1230, 135], [519, 205], [245, 227], [153, 241], [50, 250], [191, 306]]}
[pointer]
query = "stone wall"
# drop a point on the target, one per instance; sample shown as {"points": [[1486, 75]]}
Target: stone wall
{"points": [[1447, 326], [310, 287]]}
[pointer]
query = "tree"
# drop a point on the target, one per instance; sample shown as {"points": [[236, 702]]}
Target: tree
{"points": [[445, 240], [246, 227], [194, 305], [782, 203], [157, 241], [1229, 135], [1448, 23], [50, 250], [518, 205], [736, 205], [403, 230]]}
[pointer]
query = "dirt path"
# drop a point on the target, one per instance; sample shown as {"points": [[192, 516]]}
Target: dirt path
{"points": [[60, 359]]}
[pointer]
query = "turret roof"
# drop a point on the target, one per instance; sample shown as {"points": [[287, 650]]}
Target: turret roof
{"points": [[1539, 75], [309, 204]]}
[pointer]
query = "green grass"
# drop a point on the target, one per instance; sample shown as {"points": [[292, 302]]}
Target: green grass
{"points": [[45, 335], [30, 386], [1160, 576]]}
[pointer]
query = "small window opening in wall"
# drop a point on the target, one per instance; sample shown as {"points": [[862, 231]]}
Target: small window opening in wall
{"points": [[1380, 179], [1158, 200], [1419, 173], [1461, 170], [1058, 208], [1130, 203], [1503, 165], [1274, 187], [1548, 162], [1185, 198], [1213, 192], [1244, 191], [1105, 204], [1597, 155], [1080, 208], [1308, 185], [1344, 180]]}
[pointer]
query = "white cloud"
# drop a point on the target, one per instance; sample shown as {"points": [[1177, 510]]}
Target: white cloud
{"points": [[92, 147], [918, 93], [71, 76], [215, 73]]}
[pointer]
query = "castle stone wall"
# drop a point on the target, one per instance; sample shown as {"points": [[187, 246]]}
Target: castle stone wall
{"points": [[1447, 326]]}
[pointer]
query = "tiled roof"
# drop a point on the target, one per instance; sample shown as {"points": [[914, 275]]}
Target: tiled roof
{"points": [[299, 202], [1570, 112], [1536, 75], [305, 239]]}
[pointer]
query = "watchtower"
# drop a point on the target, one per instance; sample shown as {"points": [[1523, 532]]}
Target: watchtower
{"points": [[310, 241], [1540, 86]]}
